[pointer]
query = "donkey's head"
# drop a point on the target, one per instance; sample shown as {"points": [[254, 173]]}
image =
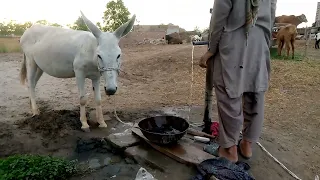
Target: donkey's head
{"points": [[108, 55]]}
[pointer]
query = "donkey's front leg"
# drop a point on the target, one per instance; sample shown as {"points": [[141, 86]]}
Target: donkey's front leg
{"points": [[97, 97], [83, 101]]}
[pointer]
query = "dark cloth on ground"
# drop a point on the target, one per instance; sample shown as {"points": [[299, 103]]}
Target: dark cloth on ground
{"points": [[223, 169]]}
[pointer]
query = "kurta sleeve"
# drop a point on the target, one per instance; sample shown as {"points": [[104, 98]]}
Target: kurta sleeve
{"points": [[220, 13]]}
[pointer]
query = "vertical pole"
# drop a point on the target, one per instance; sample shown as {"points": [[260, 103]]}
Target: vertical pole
{"points": [[207, 117], [307, 38]]}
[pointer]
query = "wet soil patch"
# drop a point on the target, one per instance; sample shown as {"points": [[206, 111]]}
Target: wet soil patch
{"points": [[131, 116], [52, 124], [8, 145]]}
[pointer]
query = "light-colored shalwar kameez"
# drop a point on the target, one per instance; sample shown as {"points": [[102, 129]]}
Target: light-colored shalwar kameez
{"points": [[241, 69]]}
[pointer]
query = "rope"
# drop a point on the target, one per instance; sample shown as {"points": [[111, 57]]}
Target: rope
{"points": [[191, 85], [276, 160], [116, 115], [191, 88], [189, 104]]}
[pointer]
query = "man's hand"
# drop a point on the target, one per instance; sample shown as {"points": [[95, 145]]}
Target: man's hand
{"points": [[204, 59]]}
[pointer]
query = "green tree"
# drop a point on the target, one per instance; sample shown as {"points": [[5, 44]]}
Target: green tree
{"points": [[4, 29], [20, 28], [115, 15], [99, 25], [79, 25], [43, 22], [56, 25]]}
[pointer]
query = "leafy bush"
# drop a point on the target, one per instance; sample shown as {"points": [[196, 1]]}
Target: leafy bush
{"points": [[35, 167]]}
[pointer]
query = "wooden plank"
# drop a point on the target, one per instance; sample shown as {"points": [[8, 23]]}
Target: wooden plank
{"points": [[184, 152], [146, 156]]}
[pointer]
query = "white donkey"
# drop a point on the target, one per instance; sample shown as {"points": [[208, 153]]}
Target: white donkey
{"points": [[66, 53]]}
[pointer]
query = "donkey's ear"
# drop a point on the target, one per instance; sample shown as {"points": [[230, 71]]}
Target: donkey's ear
{"points": [[93, 28], [125, 28]]}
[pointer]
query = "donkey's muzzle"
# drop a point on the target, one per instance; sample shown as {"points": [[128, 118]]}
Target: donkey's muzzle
{"points": [[110, 91]]}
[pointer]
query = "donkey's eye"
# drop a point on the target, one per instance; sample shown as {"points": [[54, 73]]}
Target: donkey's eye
{"points": [[99, 57], [118, 56]]}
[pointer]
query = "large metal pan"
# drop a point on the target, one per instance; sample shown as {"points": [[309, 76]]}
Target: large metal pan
{"points": [[164, 130]]}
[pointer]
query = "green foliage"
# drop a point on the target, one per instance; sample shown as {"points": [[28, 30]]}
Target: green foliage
{"points": [[99, 25], [115, 15], [35, 167], [3, 49], [56, 25], [43, 22], [12, 27], [79, 24], [274, 55]]}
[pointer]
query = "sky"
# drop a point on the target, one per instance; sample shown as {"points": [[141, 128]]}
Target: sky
{"points": [[186, 13]]}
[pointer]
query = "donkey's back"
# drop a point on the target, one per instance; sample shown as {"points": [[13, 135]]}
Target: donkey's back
{"points": [[41, 37], [55, 49]]}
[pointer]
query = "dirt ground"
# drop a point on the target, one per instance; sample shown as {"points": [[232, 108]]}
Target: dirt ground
{"points": [[153, 77]]}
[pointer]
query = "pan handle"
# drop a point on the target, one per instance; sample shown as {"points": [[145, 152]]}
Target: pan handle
{"points": [[137, 127], [198, 43]]}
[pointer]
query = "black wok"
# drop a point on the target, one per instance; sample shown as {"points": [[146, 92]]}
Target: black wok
{"points": [[163, 129]]}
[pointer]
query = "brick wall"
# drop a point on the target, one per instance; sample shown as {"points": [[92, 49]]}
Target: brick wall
{"points": [[135, 37]]}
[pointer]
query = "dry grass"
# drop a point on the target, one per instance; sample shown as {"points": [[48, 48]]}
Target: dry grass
{"points": [[9, 44]]}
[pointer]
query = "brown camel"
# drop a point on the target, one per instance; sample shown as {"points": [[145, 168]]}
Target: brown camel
{"points": [[287, 35], [291, 19]]}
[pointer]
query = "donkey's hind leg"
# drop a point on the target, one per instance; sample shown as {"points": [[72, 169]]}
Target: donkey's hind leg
{"points": [[32, 80], [37, 77]]}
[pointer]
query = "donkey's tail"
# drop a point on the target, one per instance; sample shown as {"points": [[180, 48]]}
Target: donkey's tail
{"points": [[23, 70]]}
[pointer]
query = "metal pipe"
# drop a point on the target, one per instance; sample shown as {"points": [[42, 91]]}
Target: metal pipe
{"points": [[207, 116]]}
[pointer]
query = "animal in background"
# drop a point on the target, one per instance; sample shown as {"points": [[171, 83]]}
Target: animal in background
{"points": [[291, 19], [286, 36]]}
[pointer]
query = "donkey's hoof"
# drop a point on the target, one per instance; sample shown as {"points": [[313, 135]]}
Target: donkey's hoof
{"points": [[35, 113], [103, 125], [85, 129]]}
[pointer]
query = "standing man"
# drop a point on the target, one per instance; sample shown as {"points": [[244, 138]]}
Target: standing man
{"points": [[239, 41]]}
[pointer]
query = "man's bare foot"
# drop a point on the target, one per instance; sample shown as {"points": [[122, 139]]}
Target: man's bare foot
{"points": [[245, 148], [230, 153]]}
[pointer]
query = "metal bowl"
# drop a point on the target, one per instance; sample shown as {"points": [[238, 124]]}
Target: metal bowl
{"points": [[163, 130]]}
